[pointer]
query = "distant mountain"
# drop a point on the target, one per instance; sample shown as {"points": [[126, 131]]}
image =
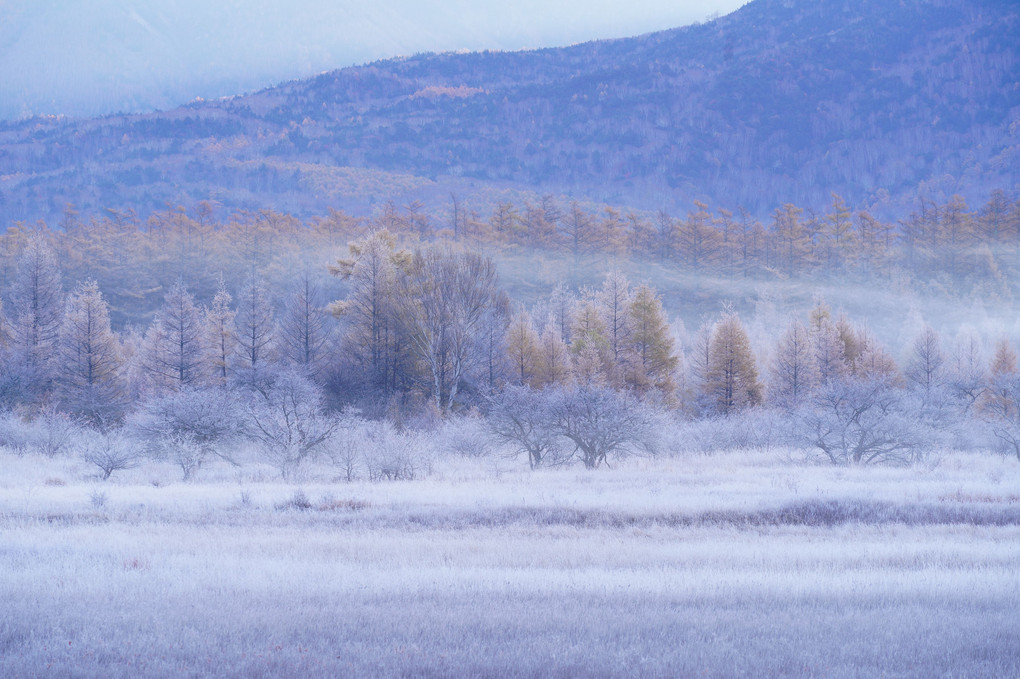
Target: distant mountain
{"points": [[781, 101], [96, 57]]}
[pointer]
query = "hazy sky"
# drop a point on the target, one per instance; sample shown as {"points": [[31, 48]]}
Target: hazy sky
{"points": [[87, 57]]}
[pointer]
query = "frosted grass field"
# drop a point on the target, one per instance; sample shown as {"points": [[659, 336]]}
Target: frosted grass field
{"points": [[740, 564]]}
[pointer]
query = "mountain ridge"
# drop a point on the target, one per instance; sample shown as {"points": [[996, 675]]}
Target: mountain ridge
{"points": [[780, 101]]}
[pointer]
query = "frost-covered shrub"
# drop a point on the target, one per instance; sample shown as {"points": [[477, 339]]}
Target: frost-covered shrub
{"points": [[14, 433], [298, 500], [287, 421], [379, 451], [464, 436], [345, 451], [98, 498], [49, 433], [189, 426], [754, 429], [346, 447], [109, 451], [390, 455], [589, 423]]}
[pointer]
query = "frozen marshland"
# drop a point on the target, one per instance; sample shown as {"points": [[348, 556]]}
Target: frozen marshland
{"points": [[749, 563]]}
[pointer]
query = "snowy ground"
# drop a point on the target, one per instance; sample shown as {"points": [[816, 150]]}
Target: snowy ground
{"points": [[739, 564]]}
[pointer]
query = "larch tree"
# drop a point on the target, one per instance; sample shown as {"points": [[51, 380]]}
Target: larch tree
{"points": [[997, 399], [926, 370], [790, 238], [850, 339], [38, 302], [794, 372], [504, 222], [490, 360], [956, 235], [967, 374], [666, 236], [820, 316], [726, 228], [174, 349], [732, 380], [840, 238], [554, 365], [221, 334], [589, 343], [641, 236], [579, 231], [304, 333], [561, 307], [873, 239], [613, 301], [651, 344], [89, 380], [700, 359], [256, 327], [374, 338], [1000, 403], [522, 347], [828, 347], [1004, 361], [699, 241], [611, 235], [873, 361]]}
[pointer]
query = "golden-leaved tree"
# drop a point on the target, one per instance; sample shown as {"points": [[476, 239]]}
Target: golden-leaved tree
{"points": [[522, 347], [655, 359], [731, 382]]}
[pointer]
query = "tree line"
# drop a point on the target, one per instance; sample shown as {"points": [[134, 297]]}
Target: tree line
{"points": [[427, 333], [942, 246]]}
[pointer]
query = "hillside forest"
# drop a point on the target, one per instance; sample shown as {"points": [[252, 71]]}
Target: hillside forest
{"points": [[778, 101], [190, 335]]}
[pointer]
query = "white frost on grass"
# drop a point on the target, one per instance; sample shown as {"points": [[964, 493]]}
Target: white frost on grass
{"points": [[226, 576]]}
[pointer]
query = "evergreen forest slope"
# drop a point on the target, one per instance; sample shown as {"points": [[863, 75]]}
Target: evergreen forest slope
{"points": [[781, 101]]}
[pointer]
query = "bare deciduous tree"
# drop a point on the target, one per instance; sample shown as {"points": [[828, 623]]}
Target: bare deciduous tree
{"points": [[110, 451], [443, 297], [601, 422], [287, 420], [862, 420], [521, 417]]}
